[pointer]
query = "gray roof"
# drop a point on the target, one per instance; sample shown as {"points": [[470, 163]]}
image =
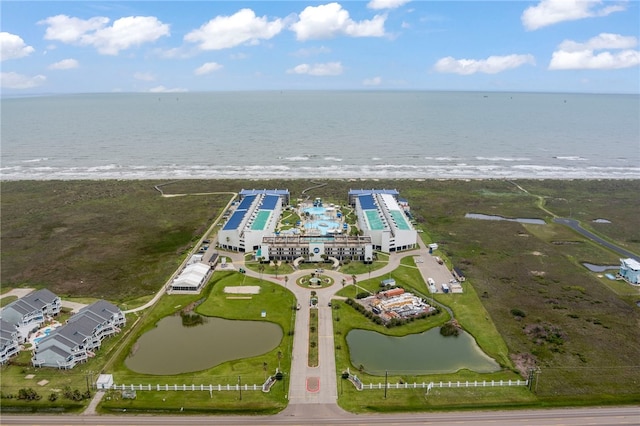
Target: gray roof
{"points": [[33, 301], [7, 333], [81, 325], [100, 309]]}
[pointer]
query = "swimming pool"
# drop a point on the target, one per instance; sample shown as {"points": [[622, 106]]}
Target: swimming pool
{"points": [[324, 226], [322, 223]]}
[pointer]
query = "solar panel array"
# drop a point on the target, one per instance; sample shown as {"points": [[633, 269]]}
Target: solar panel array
{"points": [[270, 202], [367, 202]]}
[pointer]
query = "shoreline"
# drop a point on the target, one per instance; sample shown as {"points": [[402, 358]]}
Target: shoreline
{"points": [[310, 178]]}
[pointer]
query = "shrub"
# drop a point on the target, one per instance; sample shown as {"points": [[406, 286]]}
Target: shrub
{"points": [[28, 394], [519, 313], [449, 329]]}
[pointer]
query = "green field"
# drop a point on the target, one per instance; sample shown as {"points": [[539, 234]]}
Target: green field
{"points": [[121, 241]]}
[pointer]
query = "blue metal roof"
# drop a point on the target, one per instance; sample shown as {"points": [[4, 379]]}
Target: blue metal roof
{"points": [[367, 202], [234, 220], [373, 191], [270, 202], [246, 202]]}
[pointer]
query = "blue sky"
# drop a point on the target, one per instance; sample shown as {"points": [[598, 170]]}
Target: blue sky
{"points": [[177, 46]]}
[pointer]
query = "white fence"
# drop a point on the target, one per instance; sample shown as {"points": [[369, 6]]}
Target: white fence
{"points": [[458, 384], [207, 388]]}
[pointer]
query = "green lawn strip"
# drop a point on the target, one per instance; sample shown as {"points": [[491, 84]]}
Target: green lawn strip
{"points": [[268, 269], [438, 399], [313, 338], [6, 300], [359, 268]]}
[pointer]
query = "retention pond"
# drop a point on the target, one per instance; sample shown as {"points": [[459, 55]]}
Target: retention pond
{"points": [[424, 353], [172, 348], [491, 217]]}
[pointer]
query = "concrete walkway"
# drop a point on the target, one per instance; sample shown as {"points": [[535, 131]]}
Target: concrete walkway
{"points": [[18, 292]]}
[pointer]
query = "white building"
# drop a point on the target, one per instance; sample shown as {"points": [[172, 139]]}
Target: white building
{"points": [[191, 278], [83, 333], [381, 218], [630, 270], [30, 312], [256, 216], [9, 345]]}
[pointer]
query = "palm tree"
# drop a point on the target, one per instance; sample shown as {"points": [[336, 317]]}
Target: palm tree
{"points": [[355, 287], [286, 280], [344, 281], [276, 265], [261, 270]]}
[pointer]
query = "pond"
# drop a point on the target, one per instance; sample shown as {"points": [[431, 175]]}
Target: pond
{"points": [[424, 353], [171, 348], [490, 217], [599, 268]]}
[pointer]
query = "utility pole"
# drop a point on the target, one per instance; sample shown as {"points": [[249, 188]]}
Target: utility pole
{"points": [[240, 387], [386, 383]]}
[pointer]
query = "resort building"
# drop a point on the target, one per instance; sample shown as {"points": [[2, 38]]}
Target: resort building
{"points": [[256, 215], [77, 340], [381, 218], [630, 270], [316, 248], [28, 313], [192, 277], [9, 345]]}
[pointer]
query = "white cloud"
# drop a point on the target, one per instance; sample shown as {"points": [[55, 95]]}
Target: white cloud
{"points": [[65, 64], [311, 51], [13, 47], [491, 65], [386, 4], [331, 20], [69, 29], [207, 68], [123, 34], [573, 55], [162, 89], [374, 81], [329, 68], [599, 42], [12, 80], [549, 12], [223, 32], [144, 76]]}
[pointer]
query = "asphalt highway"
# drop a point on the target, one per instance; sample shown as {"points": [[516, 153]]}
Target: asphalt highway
{"points": [[575, 225], [320, 414]]}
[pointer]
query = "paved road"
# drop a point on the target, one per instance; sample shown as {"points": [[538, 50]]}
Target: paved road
{"points": [[328, 415], [575, 225]]}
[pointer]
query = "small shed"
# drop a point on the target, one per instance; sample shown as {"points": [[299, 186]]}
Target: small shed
{"points": [[388, 282], [104, 382]]}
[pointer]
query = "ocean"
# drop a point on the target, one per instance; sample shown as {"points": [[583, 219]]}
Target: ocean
{"points": [[317, 134]]}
